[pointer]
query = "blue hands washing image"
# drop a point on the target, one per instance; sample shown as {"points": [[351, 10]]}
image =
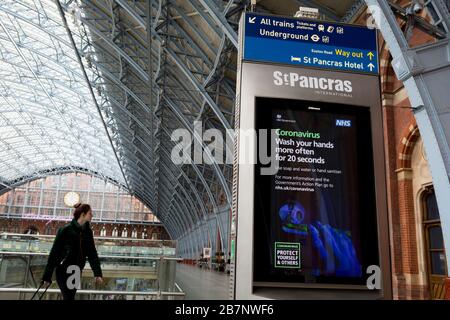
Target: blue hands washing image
{"points": [[292, 215], [334, 247]]}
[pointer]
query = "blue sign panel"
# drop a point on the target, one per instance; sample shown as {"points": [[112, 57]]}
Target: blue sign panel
{"points": [[310, 43]]}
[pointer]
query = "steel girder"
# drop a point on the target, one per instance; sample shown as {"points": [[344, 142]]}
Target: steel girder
{"points": [[194, 191], [171, 104], [215, 210], [122, 53], [186, 71], [220, 19], [142, 92], [191, 203], [205, 184], [9, 185]]}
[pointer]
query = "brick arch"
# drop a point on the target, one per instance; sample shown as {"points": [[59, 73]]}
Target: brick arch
{"points": [[408, 141], [386, 70]]}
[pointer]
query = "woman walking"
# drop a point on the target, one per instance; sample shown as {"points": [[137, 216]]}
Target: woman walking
{"points": [[73, 243]]}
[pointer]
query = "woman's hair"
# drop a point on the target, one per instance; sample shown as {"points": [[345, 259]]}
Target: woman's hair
{"points": [[80, 209]]}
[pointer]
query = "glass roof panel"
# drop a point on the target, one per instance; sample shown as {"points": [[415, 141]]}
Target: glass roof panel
{"points": [[48, 117]]}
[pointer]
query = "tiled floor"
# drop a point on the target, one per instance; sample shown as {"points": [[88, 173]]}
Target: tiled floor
{"points": [[201, 284]]}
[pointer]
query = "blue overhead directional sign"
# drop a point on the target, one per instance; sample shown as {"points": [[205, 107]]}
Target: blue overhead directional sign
{"points": [[310, 43]]}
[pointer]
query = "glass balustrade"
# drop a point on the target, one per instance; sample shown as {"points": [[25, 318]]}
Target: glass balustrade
{"points": [[128, 265], [11, 242]]}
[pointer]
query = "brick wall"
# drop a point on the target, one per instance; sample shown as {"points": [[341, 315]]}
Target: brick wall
{"points": [[21, 225], [399, 123]]}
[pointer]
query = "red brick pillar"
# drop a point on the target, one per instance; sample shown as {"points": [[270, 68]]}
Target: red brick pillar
{"points": [[407, 288], [407, 221]]}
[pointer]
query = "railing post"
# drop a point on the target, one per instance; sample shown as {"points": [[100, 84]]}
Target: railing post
{"points": [[27, 271], [162, 282], [2, 270], [166, 275]]}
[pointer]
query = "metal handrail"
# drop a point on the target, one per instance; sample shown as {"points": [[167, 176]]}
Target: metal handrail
{"points": [[101, 292], [96, 238], [178, 287], [16, 253], [28, 216]]}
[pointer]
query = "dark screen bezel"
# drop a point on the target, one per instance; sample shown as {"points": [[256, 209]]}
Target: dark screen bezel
{"points": [[370, 253]]}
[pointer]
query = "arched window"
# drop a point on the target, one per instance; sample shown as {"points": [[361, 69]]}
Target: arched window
{"points": [[31, 230], [103, 232], [19, 199], [47, 230], [434, 245]]}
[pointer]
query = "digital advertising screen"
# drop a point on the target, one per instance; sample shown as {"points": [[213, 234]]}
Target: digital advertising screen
{"points": [[315, 218]]}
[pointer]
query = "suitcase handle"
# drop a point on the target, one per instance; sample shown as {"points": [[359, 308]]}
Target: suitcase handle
{"points": [[40, 286]]}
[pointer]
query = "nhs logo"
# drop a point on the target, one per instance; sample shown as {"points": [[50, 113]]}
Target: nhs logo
{"points": [[343, 123]]}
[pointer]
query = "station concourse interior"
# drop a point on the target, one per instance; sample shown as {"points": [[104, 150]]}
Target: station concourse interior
{"points": [[94, 99]]}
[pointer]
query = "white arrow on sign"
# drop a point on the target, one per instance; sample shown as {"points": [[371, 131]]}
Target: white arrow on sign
{"points": [[371, 66], [251, 19]]}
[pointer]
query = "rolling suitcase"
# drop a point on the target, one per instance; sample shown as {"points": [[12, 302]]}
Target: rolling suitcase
{"points": [[40, 286]]}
